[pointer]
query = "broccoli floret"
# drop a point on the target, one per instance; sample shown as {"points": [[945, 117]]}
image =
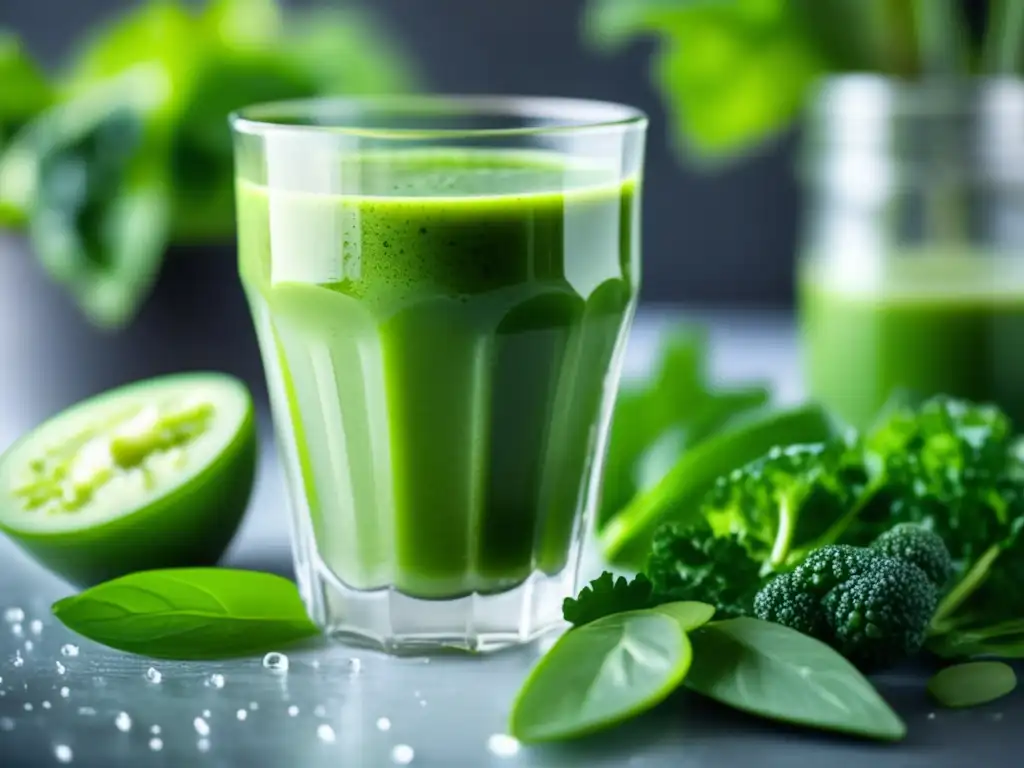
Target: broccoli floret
{"points": [[691, 563], [783, 601], [786, 500], [881, 616], [920, 546], [606, 595], [874, 609]]}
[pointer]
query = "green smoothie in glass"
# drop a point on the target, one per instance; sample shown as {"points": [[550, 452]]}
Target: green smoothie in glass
{"points": [[442, 289], [928, 322]]}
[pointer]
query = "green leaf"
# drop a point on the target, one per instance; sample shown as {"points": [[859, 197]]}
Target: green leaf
{"points": [[775, 672], [600, 675], [689, 614], [733, 74], [25, 90], [605, 596], [190, 613], [242, 23], [971, 684], [1004, 640]]}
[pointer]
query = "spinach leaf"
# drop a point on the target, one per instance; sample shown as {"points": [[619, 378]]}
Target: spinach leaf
{"points": [[971, 684], [189, 613], [601, 674], [778, 673], [25, 90], [733, 72]]}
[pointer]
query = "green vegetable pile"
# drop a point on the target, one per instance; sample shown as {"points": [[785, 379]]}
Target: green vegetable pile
{"points": [[127, 148], [871, 548]]}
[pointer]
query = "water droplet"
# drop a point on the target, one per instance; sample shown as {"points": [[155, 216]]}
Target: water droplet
{"points": [[63, 753], [17, 630], [86, 711], [14, 615], [17, 660], [155, 730], [383, 724], [402, 754], [47, 705], [61, 669], [355, 666], [123, 721], [29, 645], [276, 661], [417, 694], [202, 727], [154, 675], [28, 706], [69, 650], [503, 745], [35, 627], [931, 715], [325, 733], [316, 663], [65, 692], [206, 713], [997, 716], [216, 681], [203, 745], [242, 714], [423, 702], [156, 744], [6, 724], [293, 711], [320, 710]]}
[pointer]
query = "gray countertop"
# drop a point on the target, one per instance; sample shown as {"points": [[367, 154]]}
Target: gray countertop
{"points": [[341, 707]]}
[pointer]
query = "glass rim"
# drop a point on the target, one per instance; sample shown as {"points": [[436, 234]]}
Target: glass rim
{"points": [[568, 115]]}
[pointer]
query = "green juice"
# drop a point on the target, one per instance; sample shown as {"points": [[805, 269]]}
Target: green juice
{"points": [[931, 323], [441, 351]]}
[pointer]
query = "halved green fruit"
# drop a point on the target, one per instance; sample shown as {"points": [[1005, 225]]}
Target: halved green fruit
{"points": [[155, 474]]}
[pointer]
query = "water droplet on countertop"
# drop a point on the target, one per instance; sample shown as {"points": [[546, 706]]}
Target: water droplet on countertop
{"points": [[316, 664], [242, 714], [402, 754], [61, 669], [203, 745], [416, 694], [14, 615], [931, 715], [47, 705], [154, 675], [383, 724], [216, 680], [6, 724], [69, 650], [254, 705], [320, 710], [123, 722], [17, 630], [355, 666], [206, 713], [63, 753], [423, 702], [35, 627], [29, 645], [65, 692], [155, 730], [86, 711], [293, 711], [156, 744], [202, 727], [325, 733], [997, 716], [276, 661], [28, 706], [17, 660], [503, 745]]}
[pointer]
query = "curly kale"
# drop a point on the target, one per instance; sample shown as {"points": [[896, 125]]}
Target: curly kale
{"points": [[872, 608], [605, 596], [691, 563], [920, 546]]}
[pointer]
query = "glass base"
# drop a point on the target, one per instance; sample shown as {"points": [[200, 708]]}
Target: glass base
{"points": [[398, 624]]}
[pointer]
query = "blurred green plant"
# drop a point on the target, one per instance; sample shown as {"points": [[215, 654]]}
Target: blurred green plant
{"points": [[127, 149], [736, 73]]}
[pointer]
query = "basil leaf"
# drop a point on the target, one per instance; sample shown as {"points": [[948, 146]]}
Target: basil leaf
{"points": [[778, 673], [971, 684], [601, 674], [190, 613], [733, 73]]}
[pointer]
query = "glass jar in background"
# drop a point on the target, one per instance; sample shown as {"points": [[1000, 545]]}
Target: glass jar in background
{"points": [[911, 271]]}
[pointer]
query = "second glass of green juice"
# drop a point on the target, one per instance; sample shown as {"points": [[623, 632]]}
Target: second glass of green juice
{"points": [[442, 289]]}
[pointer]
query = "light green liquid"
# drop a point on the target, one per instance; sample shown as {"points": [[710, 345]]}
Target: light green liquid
{"points": [[439, 362]]}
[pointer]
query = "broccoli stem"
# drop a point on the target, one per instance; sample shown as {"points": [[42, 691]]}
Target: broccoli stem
{"points": [[966, 587], [784, 535]]}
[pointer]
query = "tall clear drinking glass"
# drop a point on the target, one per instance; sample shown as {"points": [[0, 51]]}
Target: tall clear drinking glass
{"points": [[442, 289]]}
